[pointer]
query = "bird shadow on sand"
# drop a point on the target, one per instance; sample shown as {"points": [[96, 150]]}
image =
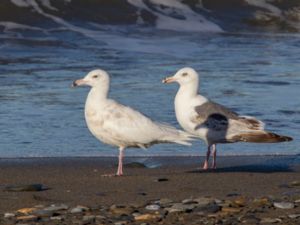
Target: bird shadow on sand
{"points": [[255, 168]]}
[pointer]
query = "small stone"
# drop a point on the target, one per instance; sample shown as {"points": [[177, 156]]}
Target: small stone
{"points": [[152, 207], [147, 217], [120, 223], [9, 215], [161, 179], [164, 202], [43, 213], [189, 201], [179, 207], [210, 208], [27, 218], [249, 219], [270, 220], [239, 202], [203, 201], [89, 218], [121, 209], [79, 209], [56, 218], [295, 184], [230, 210], [294, 216], [297, 201], [56, 207], [26, 210], [262, 202], [284, 205]]}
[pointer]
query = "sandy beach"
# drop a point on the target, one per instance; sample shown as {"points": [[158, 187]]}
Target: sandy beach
{"points": [[79, 181]]}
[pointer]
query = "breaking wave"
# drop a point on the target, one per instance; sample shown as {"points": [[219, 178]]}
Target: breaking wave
{"points": [[183, 16]]}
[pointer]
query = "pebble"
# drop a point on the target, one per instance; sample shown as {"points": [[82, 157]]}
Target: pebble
{"points": [[79, 209], [189, 201], [203, 201], [294, 216], [284, 205], [239, 202], [27, 218], [295, 184], [164, 202], [147, 217], [26, 210], [89, 218], [56, 207], [230, 210], [179, 207], [43, 213], [121, 210], [152, 207], [270, 220], [56, 218], [9, 215], [26, 187], [120, 223]]}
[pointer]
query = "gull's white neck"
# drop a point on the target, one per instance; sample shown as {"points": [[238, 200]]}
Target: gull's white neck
{"points": [[189, 90], [97, 96]]}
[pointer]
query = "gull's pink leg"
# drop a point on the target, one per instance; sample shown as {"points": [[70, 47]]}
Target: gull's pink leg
{"points": [[120, 166], [205, 166], [214, 152]]}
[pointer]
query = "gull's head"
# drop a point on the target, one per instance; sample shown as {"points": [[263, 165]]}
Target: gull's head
{"points": [[183, 76], [94, 78]]}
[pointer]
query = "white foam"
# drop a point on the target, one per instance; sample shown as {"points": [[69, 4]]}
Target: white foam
{"points": [[20, 3], [47, 4], [191, 21], [265, 5], [13, 26]]}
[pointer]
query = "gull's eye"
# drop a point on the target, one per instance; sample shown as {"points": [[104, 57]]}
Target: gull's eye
{"points": [[95, 76], [184, 74]]}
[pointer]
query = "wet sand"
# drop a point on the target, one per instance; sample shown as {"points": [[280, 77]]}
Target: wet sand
{"points": [[79, 181]]}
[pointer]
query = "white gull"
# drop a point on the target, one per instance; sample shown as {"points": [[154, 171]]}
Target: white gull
{"points": [[119, 125], [213, 122]]}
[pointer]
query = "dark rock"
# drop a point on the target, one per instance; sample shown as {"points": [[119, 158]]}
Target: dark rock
{"points": [[43, 213], [210, 208], [163, 179], [25, 187]]}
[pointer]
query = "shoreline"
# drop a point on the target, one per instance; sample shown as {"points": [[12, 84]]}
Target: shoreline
{"points": [[79, 181]]}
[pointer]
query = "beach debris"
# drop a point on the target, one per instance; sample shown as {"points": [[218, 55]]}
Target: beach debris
{"points": [[284, 205], [25, 187]]}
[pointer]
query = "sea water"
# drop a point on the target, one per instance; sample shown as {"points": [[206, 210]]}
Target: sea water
{"points": [[253, 73]]}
